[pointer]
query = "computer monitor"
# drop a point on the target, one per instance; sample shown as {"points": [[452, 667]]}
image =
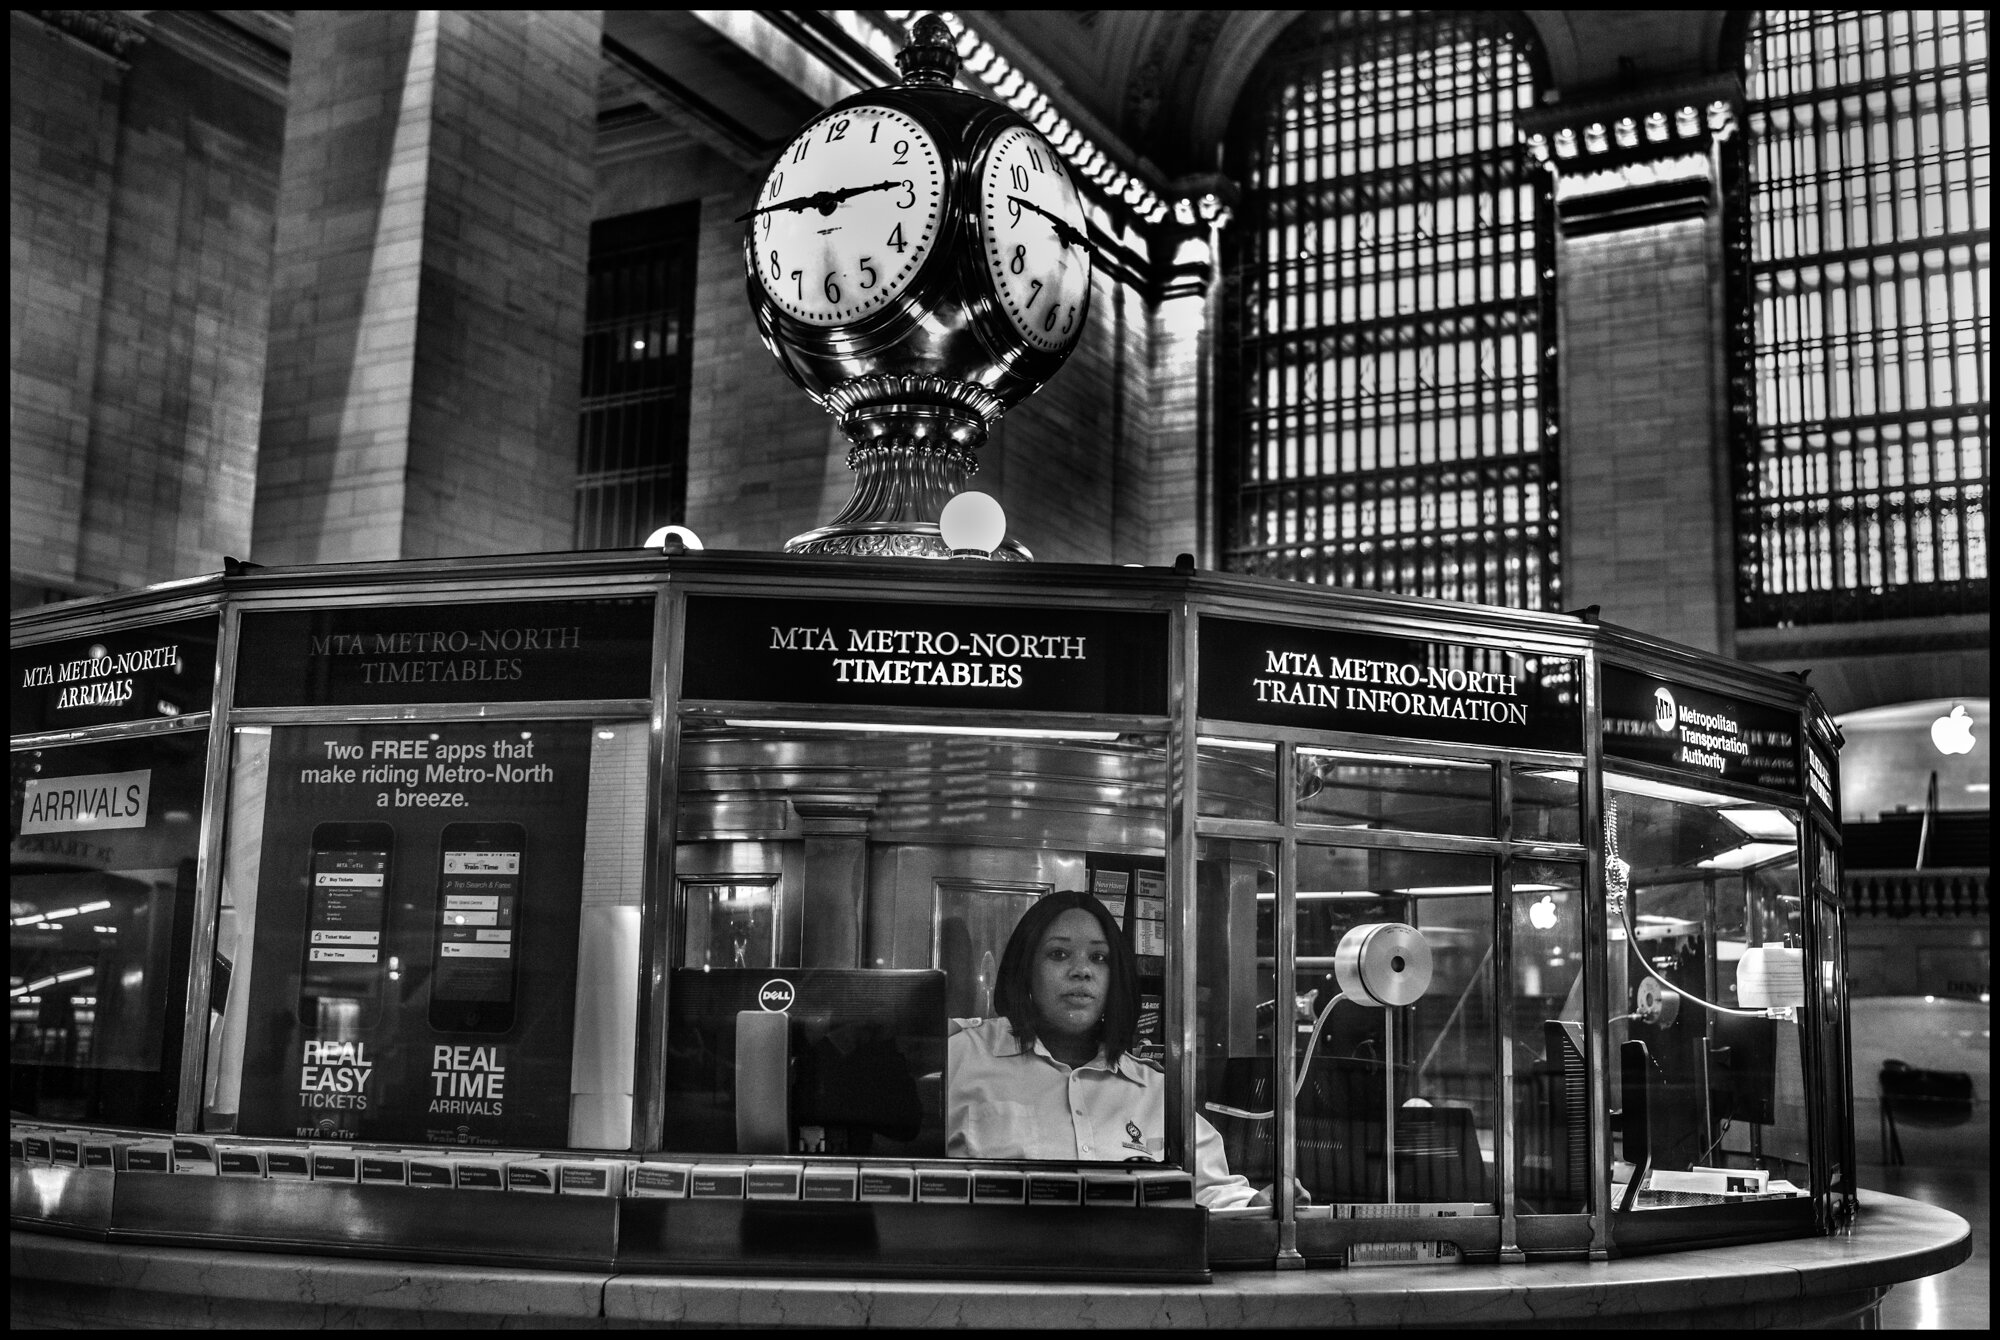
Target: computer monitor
{"points": [[836, 1061], [1742, 1068]]}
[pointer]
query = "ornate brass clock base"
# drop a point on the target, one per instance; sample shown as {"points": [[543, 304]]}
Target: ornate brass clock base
{"points": [[916, 442]]}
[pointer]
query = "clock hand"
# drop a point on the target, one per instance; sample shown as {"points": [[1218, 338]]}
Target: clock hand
{"points": [[823, 201], [1065, 233]]}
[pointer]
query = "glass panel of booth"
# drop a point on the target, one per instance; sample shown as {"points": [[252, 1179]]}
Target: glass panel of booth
{"points": [[1707, 987], [1393, 1019], [434, 932], [950, 902], [103, 839]]}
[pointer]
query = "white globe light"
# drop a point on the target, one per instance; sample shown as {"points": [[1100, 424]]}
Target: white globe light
{"points": [[972, 521], [687, 537]]}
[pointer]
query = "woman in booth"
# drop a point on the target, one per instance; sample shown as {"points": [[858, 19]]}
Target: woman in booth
{"points": [[1054, 1077]]}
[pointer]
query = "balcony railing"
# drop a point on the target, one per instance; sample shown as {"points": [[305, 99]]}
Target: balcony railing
{"points": [[1942, 893]]}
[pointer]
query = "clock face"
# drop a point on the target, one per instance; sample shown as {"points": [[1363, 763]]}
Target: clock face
{"points": [[1033, 233], [861, 194]]}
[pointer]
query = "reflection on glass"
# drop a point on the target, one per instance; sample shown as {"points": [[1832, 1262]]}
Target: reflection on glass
{"points": [[1236, 779], [1547, 1034], [101, 864], [729, 923], [1237, 1010], [1436, 1054], [1343, 789], [1546, 804], [1707, 1084]]}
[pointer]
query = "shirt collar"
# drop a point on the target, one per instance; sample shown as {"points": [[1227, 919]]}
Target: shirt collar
{"points": [[1126, 1068]]}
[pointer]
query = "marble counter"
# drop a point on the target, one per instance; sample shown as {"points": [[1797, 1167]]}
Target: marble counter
{"points": [[1811, 1281]]}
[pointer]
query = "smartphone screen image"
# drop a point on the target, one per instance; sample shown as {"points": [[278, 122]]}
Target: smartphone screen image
{"points": [[475, 958], [346, 906]]}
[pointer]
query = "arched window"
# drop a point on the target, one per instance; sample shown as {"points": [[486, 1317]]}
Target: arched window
{"points": [[1863, 472], [1385, 408]]}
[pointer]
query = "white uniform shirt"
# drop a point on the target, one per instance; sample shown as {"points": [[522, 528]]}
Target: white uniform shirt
{"points": [[1003, 1102]]}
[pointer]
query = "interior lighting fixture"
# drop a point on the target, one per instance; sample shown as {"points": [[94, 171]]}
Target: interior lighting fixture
{"points": [[61, 914], [1594, 138], [674, 540], [897, 728], [1642, 786], [1747, 855], [1687, 123], [1566, 143], [980, 63], [972, 525], [1762, 823], [1656, 127], [1626, 131]]}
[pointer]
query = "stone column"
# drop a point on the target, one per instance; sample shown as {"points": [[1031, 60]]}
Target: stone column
{"points": [[1641, 337], [427, 309]]}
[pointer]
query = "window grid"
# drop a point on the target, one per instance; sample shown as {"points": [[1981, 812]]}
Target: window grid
{"points": [[1385, 414], [632, 435], [1862, 486]]}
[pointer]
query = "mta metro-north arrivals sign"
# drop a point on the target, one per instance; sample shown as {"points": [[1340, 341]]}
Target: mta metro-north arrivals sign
{"points": [[884, 654], [1707, 736], [1330, 679], [130, 674]]}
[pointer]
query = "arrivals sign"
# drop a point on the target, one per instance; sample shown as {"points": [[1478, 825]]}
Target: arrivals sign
{"points": [[131, 674], [1332, 679], [1707, 736], [473, 651], [881, 654]]}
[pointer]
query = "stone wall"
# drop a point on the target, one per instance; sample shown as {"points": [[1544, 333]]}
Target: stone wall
{"points": [[142, 207]]}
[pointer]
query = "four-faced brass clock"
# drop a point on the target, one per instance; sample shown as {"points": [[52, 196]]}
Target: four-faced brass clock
{"points": [[919, 260], [849, 215]]}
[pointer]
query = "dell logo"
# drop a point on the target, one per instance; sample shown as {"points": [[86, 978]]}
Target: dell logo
{"points": [[777, 995]]}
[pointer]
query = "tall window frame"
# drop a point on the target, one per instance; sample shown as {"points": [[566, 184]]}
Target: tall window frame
{"points": [[1863, 460], [638, 372], [1387, 407]]}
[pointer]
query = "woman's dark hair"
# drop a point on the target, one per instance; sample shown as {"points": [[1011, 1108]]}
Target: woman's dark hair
{"points": [[1013, 992]]}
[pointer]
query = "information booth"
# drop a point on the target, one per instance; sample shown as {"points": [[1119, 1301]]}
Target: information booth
{"points": [[353, 904]]}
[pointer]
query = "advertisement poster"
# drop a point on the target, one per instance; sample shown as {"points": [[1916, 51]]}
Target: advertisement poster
{"points": [[414, 974]]}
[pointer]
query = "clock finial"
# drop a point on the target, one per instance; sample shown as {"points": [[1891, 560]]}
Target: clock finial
{"points": [[932, 55]]}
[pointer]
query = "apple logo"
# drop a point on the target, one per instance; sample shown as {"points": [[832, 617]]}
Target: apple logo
{"points": [[1953, 734], [1542, 915]]}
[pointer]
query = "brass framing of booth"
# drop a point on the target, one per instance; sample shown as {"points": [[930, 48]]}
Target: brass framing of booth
{"points": [[352, 902]]}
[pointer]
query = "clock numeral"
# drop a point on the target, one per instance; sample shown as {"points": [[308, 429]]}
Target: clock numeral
{"points": [[1013, 210], [1034, 292], [902, 148], [777, 270], [1069, 320], [1049, 321], [896, 239], [1036, 159], [799, 154], [1020, 261], [799, 282], [874, 131], [838, 130], [777, 185], [1019, 176], [868, 270], [831, 289], [911, 188]]}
